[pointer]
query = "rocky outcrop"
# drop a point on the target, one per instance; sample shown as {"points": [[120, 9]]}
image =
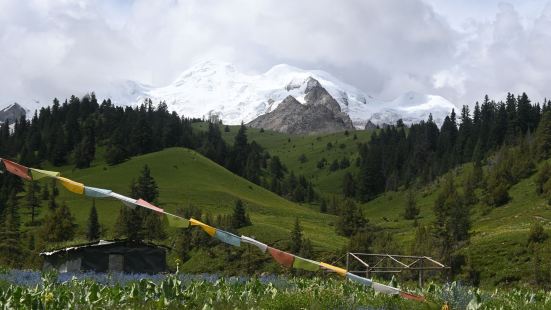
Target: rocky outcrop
{"points": [[370, 126], [12, 113], [316, 116]]}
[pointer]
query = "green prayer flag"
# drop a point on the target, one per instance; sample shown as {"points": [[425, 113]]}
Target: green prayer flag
{"points": [[177, 222], [38, 174], [306, 264]]}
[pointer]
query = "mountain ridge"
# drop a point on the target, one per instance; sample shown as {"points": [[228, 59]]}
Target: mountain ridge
{"points": [[215, 88]]}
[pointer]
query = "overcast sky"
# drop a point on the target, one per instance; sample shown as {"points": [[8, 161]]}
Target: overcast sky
{"points": [[458, 49]]}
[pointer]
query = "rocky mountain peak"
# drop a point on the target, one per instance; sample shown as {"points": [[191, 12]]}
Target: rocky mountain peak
{"points": [[317, 115], [289, 100], [12, 112]]}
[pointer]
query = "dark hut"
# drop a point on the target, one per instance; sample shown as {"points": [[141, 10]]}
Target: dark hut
{"points": [[108, 256]]}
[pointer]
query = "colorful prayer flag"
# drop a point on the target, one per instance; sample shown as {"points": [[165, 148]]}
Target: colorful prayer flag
{"points": [[96, 192], [336, 269], [412, 296], [147, 205], [305, 264], [129, 202], [178, 222], [38, 174], [281, 257], [71, 185], [227, 237], [381, 288], [208, 229], [263, 247], [356, 278], [17, 169]]}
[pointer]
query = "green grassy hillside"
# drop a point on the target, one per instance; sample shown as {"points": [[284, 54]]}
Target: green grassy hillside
{"points": [[185, 177], [290, 147], [498, 246]]}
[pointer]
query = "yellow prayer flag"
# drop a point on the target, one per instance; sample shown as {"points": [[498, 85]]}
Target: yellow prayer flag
{"points": [[336, 269], [71, 185], [38, 174], [208, 229]]}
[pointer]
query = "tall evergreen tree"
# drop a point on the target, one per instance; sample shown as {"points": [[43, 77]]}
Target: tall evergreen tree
{"points": [[239, 217], [146, 187], [296, 238], [138, 223], [452, 219], [411, 209], [129, 224], [93, 227], [10, 234], [32, 200], [59, 225], [348, 186], [238, 157], [351, 219], [543, 136], [86, 149]]}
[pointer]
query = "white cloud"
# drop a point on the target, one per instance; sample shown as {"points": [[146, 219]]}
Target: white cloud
{"points": [[59, 47]]}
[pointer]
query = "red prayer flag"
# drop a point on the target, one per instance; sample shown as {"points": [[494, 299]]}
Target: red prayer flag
{"points": [[17, 169], [146, 204], [281, 257], [412, 296]]}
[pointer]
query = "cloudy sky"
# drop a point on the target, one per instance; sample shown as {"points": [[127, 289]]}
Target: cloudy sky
{"points": [[458, 49]]}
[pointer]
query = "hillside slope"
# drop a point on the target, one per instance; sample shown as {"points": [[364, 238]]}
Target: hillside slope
{"points": [[289, 149], [498, 245], [185, 177]]}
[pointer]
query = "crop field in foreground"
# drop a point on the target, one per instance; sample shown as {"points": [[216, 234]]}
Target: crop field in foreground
{"points": [[32, 290]]}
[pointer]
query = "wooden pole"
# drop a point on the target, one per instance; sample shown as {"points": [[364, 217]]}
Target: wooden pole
{"points": [[421, 274]]}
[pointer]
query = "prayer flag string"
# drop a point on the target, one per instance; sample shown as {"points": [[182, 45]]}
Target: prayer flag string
{"points": [[286, 259]]}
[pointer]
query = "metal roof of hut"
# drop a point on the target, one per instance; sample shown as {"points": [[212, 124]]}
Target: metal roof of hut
{"points": [[108, 256]]}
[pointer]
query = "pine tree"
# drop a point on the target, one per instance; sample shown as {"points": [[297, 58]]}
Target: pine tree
{"points": [[139, 223], [32, 200], [296, 237], [452, 219], [348, 185], [411, 210], [306, 250], [544, 175], [52, 204], [10, 234], [153, 227], [146, 187], [93, 228], [116, 151], [323, 206], [239, 217], [361, 242], [423, 242], [543, 136], [351, 219], [240, 148], [45, 193], [59, 225], [129, 224]]}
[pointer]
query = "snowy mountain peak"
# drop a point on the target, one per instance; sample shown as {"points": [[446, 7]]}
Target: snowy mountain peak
{"points": [[12, 112], [218, 88], [207, 68]]}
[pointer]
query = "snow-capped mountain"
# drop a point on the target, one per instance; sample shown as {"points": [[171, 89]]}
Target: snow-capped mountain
{"points": [[218, 88], [12, 112]]}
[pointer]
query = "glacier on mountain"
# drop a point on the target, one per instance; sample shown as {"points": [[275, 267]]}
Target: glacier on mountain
{"points": [[214, 88]]}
